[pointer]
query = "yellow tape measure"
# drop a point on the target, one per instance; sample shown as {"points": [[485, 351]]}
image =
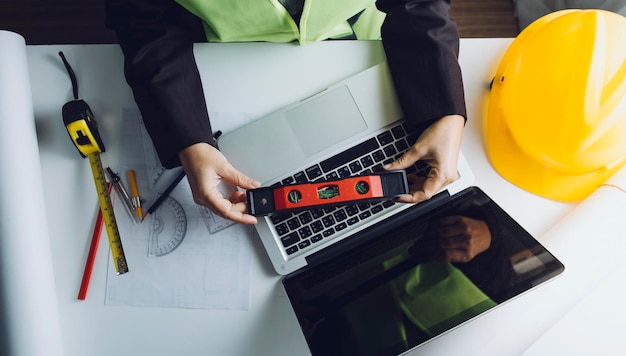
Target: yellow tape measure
{"points": [[83, 130], [107, 214]]}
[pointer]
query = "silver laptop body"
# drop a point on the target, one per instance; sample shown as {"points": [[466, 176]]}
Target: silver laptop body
{"points": [[302, 141]]}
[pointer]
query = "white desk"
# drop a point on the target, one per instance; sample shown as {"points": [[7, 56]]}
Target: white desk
{"points": [[257, 78]]}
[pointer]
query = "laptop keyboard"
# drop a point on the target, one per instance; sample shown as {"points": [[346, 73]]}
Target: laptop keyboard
{"points": [[302, 230]]}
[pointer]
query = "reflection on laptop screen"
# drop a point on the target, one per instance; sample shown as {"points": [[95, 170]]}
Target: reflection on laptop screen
{"points": [[398, 289]]}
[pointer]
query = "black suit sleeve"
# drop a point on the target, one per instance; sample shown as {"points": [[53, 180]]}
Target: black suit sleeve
{"points": [[422, 43], [157, 36], [157, 39]]}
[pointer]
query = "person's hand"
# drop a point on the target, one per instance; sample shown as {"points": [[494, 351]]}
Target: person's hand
{"points": [[206, 167], [453, 238], [462, 238], [438, 146]]}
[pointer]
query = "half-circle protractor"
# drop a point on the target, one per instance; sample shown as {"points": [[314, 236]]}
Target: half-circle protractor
{"points": [[168, 228]]}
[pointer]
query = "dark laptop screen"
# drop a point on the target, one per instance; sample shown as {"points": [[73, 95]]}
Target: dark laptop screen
{"points": [[421, 275]]}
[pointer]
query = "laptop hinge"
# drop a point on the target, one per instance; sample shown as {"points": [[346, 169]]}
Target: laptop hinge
{"points": [[374, 231]]}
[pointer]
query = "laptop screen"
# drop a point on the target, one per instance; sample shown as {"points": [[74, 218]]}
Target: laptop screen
{"points": [[417, 277]]}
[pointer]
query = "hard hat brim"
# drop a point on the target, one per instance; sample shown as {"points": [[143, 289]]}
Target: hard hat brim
{"points": [[531, 175]]}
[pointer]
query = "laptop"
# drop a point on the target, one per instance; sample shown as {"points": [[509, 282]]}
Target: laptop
{"points": [[352, 127], [375, 278]]}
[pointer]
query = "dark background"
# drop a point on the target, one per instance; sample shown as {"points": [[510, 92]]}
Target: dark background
{"points": [[82, 21]]}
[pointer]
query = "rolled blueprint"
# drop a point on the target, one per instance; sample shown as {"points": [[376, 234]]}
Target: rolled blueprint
{"points": [[598, 223], [29, 314], [591, 239]]}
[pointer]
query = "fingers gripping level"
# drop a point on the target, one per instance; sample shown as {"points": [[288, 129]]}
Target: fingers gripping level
{"points": [[373, 187]]}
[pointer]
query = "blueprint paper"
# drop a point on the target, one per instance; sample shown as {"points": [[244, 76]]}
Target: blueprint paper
{"points": [[183, 255]]}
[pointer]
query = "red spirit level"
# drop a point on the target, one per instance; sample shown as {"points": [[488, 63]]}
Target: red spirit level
{"points": [[374, 187]]}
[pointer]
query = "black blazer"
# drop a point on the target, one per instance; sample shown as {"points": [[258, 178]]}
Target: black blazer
{"points": [[420, 39]]}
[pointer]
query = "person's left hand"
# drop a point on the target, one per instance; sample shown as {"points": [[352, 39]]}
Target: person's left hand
{"points": [[439, 146], [206, 167]]}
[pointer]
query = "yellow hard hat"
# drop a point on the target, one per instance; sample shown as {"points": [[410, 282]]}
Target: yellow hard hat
{"points": [[556, 115]]}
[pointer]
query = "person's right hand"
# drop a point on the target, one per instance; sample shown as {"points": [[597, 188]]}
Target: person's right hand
{"points": [[206, 167], [439, 146]]}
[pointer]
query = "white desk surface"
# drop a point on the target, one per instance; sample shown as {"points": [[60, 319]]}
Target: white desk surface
{"points": [[256, 78]]}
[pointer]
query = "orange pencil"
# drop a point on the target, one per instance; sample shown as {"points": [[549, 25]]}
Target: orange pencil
{"points": [[136, 198]]}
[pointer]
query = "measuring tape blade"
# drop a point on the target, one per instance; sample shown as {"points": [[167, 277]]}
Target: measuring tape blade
{"points": [[107, 213]]}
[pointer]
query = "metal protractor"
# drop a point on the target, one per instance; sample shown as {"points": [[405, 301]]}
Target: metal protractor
{"points": [[168, 228]]}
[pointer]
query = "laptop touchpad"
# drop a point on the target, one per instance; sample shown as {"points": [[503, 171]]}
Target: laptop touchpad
{"points": [[326, 120]]}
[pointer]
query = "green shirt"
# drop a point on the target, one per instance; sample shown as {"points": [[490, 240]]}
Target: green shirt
{"points": [[270, 21]]}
